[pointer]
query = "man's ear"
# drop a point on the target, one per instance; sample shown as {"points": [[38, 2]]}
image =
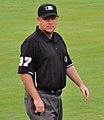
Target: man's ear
{"points": [[38, 19]]}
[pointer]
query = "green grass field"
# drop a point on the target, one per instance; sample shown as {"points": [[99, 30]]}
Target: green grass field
{"points": [[81, 23]]}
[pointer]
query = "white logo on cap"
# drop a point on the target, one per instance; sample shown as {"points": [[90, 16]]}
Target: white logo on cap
{"points": [[49, 7]]}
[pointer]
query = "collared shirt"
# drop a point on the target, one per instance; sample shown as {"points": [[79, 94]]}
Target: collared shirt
{"points": [[46, 60]]}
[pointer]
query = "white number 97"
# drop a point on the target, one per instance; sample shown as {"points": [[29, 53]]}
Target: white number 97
{"points": [[25, 61]]}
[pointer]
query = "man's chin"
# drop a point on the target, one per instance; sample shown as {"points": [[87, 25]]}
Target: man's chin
{"points": [[49, 32]]}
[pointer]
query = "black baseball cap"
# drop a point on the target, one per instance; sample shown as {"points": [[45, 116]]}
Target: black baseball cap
{"points": [[46, 10]]}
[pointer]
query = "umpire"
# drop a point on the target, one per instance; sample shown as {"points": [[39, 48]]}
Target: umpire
{"points": [[44, 64]]}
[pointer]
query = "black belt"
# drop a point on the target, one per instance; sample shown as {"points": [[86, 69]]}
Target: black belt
{"points": [[51, 92]]}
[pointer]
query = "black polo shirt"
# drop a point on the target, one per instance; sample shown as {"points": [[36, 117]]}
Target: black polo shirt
{"points": [[46, 60]]}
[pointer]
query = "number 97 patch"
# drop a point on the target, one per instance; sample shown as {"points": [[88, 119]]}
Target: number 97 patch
{"points": [[24, 61]]}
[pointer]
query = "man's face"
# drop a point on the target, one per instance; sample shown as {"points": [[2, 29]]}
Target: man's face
{"points": [[48, 24]]}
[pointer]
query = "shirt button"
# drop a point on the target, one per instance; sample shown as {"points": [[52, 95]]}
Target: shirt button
{"points": [[56, 48]]}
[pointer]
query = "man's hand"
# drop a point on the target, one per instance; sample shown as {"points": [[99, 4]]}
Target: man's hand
{"points": [[84, 91], [39, 106], [74, 76], [29, 85]]}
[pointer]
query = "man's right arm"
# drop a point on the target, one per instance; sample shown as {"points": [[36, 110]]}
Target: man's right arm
{"points": [[29, 85]]}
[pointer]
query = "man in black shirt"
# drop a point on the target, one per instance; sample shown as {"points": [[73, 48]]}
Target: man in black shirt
{"points": [[44, 64]]}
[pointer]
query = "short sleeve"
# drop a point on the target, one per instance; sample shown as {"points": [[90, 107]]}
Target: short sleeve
{"points": [[67, 58], [69, 61], [26, 64]]}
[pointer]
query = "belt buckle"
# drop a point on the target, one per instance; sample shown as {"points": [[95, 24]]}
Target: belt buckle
{"points": [[57, 93], [53, 92]]}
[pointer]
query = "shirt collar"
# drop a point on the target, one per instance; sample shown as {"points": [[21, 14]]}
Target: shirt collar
{"points": [[47, 39]]}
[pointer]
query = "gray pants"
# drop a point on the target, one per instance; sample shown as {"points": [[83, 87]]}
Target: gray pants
{"points": [[52, 103]]}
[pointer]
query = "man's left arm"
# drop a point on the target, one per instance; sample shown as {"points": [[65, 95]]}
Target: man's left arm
{"points": [[74, 76]]}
